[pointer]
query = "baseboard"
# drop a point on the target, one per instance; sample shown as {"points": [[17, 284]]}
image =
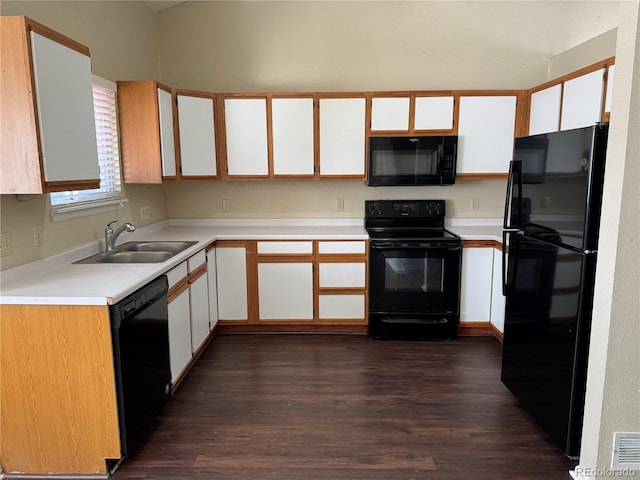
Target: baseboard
{"points": [[252, 328], [475, 329]]}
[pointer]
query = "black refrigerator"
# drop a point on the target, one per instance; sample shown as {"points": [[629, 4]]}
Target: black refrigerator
{"points": [[551, 224]]}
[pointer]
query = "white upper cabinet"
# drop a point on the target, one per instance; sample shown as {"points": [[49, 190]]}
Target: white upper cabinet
{"points": [[167, 141], [390, 113], [48, 127], [293, 136], [65, 111], [545, 110], [342, 136], [582, 100], [246, 136], [196, 131], [434, 113], [486, 133]]}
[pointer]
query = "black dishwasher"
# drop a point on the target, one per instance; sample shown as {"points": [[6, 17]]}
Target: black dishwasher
{"points": [[140, 335]]}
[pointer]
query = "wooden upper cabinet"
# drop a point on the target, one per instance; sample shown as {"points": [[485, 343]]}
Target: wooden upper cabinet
{"points": [[486, 134], [196, 135], [412, 113], [48, 126], [342, 137], [146, 117], [270, 136], [579, 99]]}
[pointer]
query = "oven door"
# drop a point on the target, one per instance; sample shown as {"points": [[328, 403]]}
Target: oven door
{"points": [[414, 277]]}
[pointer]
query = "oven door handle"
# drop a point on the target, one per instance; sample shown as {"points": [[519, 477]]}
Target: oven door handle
{"points": [[414, 246]]}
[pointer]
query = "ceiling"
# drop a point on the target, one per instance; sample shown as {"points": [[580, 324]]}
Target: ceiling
{"points": [[159, 5]]}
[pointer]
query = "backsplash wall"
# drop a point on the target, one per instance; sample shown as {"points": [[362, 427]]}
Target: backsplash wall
{"points": [[283, 199]]}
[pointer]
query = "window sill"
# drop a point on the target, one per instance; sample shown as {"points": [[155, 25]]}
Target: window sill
{"points": [[61, 213]]}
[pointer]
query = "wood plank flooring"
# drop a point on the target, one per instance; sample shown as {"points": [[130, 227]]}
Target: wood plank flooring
{"points": [[340, 407]]}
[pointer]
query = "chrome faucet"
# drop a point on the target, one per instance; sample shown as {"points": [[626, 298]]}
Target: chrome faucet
{"points": [[110, 236]]}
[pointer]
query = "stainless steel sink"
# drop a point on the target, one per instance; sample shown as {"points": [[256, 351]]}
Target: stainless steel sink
{"points": [[154, 246], [140, 252]]}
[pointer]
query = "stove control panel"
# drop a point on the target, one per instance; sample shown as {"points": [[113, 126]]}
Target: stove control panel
{"points": [[405, 208]]}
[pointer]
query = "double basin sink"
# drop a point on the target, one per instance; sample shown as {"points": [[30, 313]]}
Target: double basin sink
{"points": [[140, 252]]}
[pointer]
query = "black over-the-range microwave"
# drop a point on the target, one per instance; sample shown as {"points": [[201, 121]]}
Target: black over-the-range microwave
{"points": [[418, 160]]}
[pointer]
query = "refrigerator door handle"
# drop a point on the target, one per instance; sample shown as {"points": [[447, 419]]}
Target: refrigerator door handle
{"points": [[504, 262], [515, 169]]}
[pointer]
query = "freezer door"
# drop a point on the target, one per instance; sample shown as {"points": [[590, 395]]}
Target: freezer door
{"points": [[561, 189], [546, 335]]}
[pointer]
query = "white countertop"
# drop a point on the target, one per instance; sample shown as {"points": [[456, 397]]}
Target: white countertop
{"points": [[57, 281]]}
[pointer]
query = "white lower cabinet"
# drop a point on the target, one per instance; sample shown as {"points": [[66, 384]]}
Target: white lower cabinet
{"points": [[231, 265], [497, 299], [199, 303], [476, 284], [341, 307], [179, 334], [285, 291], [213, 288]]}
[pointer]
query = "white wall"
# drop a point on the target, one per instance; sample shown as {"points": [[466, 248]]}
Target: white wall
{"points": [[613, 381]]}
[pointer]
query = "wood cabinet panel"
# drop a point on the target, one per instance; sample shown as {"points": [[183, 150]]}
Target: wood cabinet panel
{"points": [[59, 411]]}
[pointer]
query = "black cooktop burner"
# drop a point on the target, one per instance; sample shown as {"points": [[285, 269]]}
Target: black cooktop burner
{"points": [[407, 220]]}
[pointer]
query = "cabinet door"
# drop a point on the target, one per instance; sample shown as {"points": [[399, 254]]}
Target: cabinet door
{"points": [[497, 299], [342, 136], [342, 275], [246, 130], [582, 100], [64, 94], [285, 291], [179, 334], [434, 113], [231, 264], [486, 133], [197, 136], [341, 307], [390, 113], [213, 288], [293, 141], [475, 288], [167, 143], [544, 116], [199, 302]]}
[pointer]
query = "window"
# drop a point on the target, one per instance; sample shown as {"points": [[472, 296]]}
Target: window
{"points": [[109, 193]]}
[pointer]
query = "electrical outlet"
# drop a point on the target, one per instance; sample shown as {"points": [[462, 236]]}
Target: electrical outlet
{"points": [[145, 212], [37, 235], [226, 205], [6, 245], [475, 204], [339, 204]]}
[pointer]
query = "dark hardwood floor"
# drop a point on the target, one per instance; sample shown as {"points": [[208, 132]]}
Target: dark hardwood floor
{"points": [[339, 407]]}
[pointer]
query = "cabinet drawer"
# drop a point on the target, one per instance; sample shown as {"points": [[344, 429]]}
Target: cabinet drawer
{"points": [[342, 247], [285, 247], [177, 273], [345, 275], [196, 260], [341, 306]]}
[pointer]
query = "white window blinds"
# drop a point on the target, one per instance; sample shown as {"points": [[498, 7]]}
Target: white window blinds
{"points": [[104, 105]]}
